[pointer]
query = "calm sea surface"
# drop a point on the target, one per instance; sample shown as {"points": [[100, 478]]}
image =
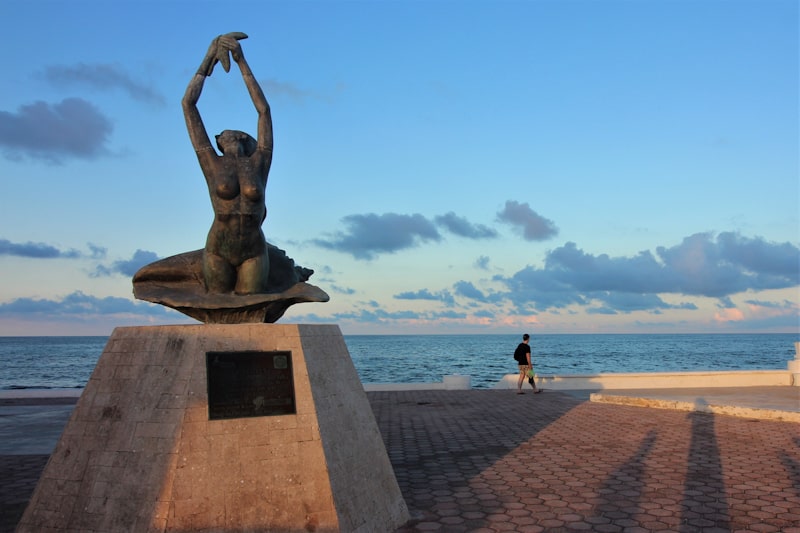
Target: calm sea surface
{"points": [[67, 362]]}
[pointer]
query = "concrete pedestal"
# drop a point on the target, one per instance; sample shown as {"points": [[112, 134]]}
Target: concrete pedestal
{"points": [[141, 454]]}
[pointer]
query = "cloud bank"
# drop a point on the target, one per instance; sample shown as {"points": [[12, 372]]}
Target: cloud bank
{"points": [[126, 267], [39, 250], [78, 304], [701, 265], [371, 234], [462, 227], [532, 225], [102, 77], [53, 132], [73, 127]]}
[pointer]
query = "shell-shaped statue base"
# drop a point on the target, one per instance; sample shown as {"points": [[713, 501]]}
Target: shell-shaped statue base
{"points": [[177, 282]]}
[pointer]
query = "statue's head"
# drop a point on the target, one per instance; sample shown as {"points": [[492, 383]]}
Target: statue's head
{"points": [[234, 142]]}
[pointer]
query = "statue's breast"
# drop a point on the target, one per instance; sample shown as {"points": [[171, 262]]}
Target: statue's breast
{"points": [[252, 191], [227, 187]]}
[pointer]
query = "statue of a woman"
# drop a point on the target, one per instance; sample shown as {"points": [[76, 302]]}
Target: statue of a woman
{"points": [[238, 277], [235, 258]]}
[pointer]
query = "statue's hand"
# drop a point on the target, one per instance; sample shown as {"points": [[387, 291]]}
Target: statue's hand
{"points": [[229, 43], [219, 50]]}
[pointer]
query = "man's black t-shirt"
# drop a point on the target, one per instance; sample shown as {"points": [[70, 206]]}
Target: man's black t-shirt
{"points": [[521, 353]]}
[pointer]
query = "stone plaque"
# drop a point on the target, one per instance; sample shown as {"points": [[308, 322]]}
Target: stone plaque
{"points": [[247, 384]]}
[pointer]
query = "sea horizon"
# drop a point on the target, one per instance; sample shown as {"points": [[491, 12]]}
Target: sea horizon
{"points": [[532, 334], [60, 361]]}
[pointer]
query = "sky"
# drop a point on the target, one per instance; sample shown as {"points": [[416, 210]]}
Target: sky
{"points": [[445, 167]]}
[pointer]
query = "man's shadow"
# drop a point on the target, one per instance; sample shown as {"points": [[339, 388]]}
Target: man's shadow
{"points": [[704, 498]]}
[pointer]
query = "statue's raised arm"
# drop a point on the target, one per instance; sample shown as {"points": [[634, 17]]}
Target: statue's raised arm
{"points": [[231, 42], [218, 52]]}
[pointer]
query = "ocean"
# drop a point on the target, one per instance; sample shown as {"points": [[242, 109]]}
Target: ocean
{"points": [[67, 362]]}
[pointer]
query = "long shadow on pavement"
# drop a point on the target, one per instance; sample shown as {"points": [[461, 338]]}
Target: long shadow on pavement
{"points": [[623, 489], [704, 501], [438, 441]]}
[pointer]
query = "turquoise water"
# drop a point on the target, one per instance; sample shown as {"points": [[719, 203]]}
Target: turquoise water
{"points": [[67, 362]]}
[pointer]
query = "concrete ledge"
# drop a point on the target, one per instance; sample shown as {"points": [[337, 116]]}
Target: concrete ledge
{"points": [[40, 393], [656, 380], [697, 406], [393, 387], [451, 382]]}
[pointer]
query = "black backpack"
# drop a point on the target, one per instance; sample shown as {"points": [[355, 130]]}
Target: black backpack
{"points": [[519, 356]]}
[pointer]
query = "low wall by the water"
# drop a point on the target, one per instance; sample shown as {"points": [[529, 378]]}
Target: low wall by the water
{"points": [[656, 380], [597, 382], [453, 382]]}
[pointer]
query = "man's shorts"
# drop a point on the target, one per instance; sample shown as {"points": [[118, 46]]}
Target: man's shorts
{"points": [[523, 369]]}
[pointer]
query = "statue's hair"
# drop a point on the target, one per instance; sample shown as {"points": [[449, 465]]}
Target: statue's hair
{"points": [[246, 139]]}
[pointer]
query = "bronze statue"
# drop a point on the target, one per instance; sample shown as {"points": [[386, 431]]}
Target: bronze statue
{"points": [[235, 257], [243, 278]]}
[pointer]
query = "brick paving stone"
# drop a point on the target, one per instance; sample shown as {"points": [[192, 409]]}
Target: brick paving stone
{"points": [[608, 528], [578, 526], [503, 526], [498, 517], [551, 523], [659, 526], [429, 526], [523, 521], [765, 528]]}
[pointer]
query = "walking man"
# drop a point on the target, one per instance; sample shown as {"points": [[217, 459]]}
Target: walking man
{"points": [[523, 356]]}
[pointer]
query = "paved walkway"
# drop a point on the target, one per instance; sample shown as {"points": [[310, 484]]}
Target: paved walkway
{"points": [[491, 460]]}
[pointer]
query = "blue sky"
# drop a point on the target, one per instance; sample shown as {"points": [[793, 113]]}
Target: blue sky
{"points": [[444, 167]]}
